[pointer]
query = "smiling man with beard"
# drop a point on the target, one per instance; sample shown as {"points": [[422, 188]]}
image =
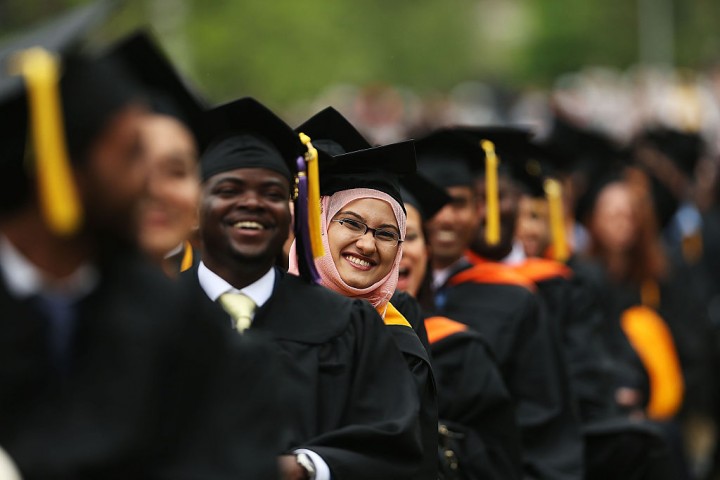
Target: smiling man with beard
{"points": [[352, 408]]}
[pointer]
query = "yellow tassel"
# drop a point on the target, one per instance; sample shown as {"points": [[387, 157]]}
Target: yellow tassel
{"points": [[57, 192], [311, 158], [187, 260], [653, 342], [553, 191], [492, 208]]}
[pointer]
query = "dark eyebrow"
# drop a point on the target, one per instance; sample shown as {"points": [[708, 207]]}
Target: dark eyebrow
{"points": [[348, 212], [270, 182], [384, 226]]}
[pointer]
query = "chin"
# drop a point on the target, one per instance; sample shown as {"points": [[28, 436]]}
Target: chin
{"points": [[359, 282]]}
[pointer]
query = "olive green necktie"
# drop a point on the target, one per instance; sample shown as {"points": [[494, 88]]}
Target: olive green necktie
{"points": [[240, 307]]}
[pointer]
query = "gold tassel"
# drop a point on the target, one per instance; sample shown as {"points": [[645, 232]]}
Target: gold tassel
{"points": [[59, 201], [553, 192], [492, 207], [187, 260], [311, 158]]}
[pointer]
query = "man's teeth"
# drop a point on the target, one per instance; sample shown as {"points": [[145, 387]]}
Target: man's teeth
{"points": [[358, 261], [249, 225], [446, 236]]}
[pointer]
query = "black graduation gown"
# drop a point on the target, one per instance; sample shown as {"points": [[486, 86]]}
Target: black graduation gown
{"points": [[615, 446], [474, 401], [418, 361], [530, 360], [569, 302], [147, 394], [351, 397]]}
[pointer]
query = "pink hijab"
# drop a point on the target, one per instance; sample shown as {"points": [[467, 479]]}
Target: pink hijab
{"points": [[377, 294]]}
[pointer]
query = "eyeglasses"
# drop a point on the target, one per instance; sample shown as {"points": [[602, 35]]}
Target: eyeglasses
{"points": [[386, 237]]}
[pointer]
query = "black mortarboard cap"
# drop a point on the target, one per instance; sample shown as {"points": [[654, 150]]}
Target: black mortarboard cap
{"points": [[512, 144], [90, 89], [332, 133], [168, 91], [684, 149], [448, 158], [347, 160], [427, 197], [246, 134], [378, 168], [575, 148]]}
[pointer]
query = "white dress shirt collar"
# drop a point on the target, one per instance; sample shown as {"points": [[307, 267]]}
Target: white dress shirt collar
{"points": [[516, 255], [23, 279], [260, 291]]}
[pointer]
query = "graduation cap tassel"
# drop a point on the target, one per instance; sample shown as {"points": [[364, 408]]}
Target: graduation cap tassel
{"points": [[59, 200], [302, 227], [313, 197], [492, 208], [553, 192]]}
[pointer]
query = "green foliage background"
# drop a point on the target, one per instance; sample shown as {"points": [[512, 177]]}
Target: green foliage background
{"points": [[285, 51]]}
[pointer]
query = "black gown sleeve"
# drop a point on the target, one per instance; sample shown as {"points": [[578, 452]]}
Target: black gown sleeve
{"points": [[381, 436], [552, 440], [418, 362], [473, 397], [531, 362]]}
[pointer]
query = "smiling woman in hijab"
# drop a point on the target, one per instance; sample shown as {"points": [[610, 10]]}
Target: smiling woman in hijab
{"points": [[363, 228]]}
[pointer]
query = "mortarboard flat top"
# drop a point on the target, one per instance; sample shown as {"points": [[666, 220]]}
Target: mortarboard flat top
{"points": [[246, 134], [509, 142], [347, 160], [169, 92], [427, 197], [379, 168], [683, 149], [332, 133], [448, 158], [454, 156]]}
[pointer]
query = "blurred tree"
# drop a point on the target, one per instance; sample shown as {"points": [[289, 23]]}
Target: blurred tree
{"points": [[285, 50]]}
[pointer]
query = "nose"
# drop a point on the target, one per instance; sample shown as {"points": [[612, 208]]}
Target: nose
{"points": [[366, 243], [155, 185], [249, 200], [445, 216]]}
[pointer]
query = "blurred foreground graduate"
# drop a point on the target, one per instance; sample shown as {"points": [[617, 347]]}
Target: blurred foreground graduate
{"points": [[170, 135], [352, 409], [360, 184], [502, 306], [479, 438], [105, 370]]}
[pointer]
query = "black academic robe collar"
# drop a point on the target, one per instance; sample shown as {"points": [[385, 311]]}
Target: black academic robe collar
{"points": [[301, 312], [298, 311]]}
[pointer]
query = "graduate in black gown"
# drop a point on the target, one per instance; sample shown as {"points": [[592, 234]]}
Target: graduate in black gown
{"points": [[348, 162], [168, 215], [478, 431], [106, 370], [352, 405], [615, 445], [502, 306]]}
